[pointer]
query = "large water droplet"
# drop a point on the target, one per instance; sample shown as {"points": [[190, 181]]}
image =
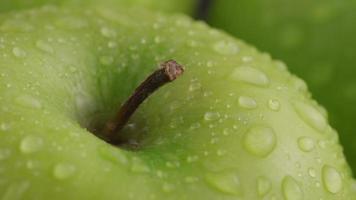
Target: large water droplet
{"points": [[291, 189], [332, 179], [226, 48], [250, 75], [18, 52], [226, 182], [247, 102], [260, 141], [311, 116], [64, 171], [31, 144], [210, 116], [44, 46], [306, 144], [28, 101], [274, 104], [263, 186]]}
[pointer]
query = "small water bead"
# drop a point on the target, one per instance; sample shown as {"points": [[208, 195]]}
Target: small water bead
{"points": [[28, 101], [331, 179], [225, 182], [312, 172], [139, 166], [15, 191], [5, 127], [259, 141], [106, 60], [31, 144], [306, 144], [311, 116], [221, 152], [44, 46], [274, 104], [263, 186], [247, 102], [291, 189], [211, 116], [64, 171], [18, 52], [226, 47], [107, 32], [112, 44], [167, 187], [4, 154], [191, 179], [115, 156], [191, 159], [250, 75], [194, 86]]}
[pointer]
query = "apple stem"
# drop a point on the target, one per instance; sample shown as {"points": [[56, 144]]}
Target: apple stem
{"points": [[168, 72]]}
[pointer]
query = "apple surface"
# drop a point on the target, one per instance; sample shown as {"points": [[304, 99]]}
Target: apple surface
{"points": [[315, 39], [168, 6], [236, 125]]}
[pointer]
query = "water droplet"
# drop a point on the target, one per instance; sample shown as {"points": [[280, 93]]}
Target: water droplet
{"points": [[112, 44], [106, 60], [63, 171], [28, 101], [139, 166], [107, 32], [167, 187], [311, 116], [274, 104], [191, 179], [115, 156], [221, 152], [250, 75], [192, 159], [157, 39], [247, 102], [194, 86], [263, 186], [44, 46], [5, 127], [332, 179], [306, 144], [31, 144], [18, 52], [225, 182], [226, 47], [260, 141], [4, 154], [210, 116], [312, 172], [15, 191], [291, 189]]}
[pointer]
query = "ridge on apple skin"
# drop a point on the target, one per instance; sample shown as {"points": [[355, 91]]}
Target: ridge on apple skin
{"points": [[237, 126]]}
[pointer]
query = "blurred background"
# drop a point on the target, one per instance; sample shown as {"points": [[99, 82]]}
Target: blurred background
{"points": [[317, 41]]}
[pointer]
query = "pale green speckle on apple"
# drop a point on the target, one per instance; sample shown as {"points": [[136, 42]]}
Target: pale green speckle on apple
{"points": [[236, 125]]}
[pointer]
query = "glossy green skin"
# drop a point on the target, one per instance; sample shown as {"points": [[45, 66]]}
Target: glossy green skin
{"points": [[317, 41], [62, 70], [168, 6]]}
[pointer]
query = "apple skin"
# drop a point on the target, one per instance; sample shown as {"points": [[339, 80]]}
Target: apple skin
{"points": [[315, 39], [168, 6], [236, 125]]}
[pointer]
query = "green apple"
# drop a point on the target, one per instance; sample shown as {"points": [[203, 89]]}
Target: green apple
{"points": [[169, 6], [315, 39], [236, 125]]}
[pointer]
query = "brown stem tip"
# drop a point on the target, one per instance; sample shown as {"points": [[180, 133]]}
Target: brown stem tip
{"points": [[168, 72]]}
